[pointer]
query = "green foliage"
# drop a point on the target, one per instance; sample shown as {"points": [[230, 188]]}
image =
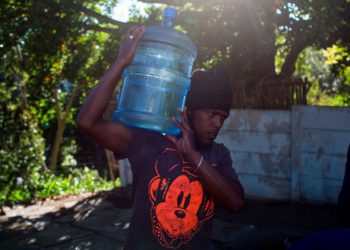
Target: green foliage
{"points": [[327, 71], [282, 50], [23, 173], [48, 49], [61, 52], [46, 185], [22, 146], [338, 57]]}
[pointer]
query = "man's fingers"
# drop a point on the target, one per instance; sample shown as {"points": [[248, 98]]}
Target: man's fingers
{"points": [[136, 33], [140, 31], [179, 125], [131, 41], [184, 119], [186, 116], [132, 36], [172, 138], [136, 36], [131, 31]]}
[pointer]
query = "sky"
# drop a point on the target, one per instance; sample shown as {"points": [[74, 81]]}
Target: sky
{"points": [[121, 12]]}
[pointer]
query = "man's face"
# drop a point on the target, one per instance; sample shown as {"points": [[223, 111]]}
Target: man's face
{"points": [[206, 125]]}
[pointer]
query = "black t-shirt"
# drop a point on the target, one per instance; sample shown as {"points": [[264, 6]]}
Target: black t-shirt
{"points": [[171, 208]]}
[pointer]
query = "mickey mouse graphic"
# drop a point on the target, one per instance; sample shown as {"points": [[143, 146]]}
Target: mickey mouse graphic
{"points": [[179, 203]]}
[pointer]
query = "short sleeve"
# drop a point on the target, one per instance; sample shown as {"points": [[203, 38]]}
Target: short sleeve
{"points": [[225, 166], [144, 144], [134, 148]]}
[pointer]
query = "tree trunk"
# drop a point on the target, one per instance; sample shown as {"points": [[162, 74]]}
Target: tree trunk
{"points": [[56, 147], [61, 125], [112, 161], [23, 87], [288, 67]]}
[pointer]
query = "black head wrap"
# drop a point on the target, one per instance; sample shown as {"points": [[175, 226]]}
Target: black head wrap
{"points": [[209, 90]]}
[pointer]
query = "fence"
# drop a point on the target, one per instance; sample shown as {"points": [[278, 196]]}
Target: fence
{"points": [[269, 93], [282, 155]]}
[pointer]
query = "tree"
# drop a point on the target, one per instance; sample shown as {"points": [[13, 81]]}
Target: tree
{"points": [[22, 147], [56, 50], [243, 33], [61, 45], [329, 72]]}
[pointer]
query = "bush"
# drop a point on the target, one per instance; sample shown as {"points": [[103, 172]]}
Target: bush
{"points": [[47, 184], [23, 174], [22, 146]]}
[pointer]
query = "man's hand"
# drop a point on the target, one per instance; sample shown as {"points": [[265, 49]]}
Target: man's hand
{"points": [[129, 45], [186, 144]]}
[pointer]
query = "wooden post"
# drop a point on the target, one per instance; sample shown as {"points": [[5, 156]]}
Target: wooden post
{"points": [[112, 162]]}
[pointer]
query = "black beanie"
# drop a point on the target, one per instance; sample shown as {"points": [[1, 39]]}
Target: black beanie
{"points": [[209, 90]]}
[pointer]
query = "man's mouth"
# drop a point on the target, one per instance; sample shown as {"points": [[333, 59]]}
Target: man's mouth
{"points": [[212, 135]]}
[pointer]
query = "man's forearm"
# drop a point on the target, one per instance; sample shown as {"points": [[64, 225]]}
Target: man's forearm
{"points": [[110, 134], [228, 192], [99, 97]]}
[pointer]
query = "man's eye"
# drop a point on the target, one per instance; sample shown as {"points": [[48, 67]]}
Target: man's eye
{"points": [[223, 118], [211, 113]]}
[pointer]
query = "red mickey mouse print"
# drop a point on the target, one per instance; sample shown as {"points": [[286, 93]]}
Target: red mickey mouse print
{"points": [[179, 204], [178, 213]]}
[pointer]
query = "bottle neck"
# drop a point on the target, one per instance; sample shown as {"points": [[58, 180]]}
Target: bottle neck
{"points": [[168, 22]]}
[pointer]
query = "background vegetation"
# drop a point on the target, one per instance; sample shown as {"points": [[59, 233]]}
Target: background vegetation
{"points": [[52, 52]]}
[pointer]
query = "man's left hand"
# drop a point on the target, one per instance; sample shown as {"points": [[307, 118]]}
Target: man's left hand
{"points": [[186, 143]]}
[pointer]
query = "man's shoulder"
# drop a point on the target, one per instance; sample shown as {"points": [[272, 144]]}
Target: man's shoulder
{"points": [[144, 143], [148, 139], [219, 147], [218, 153]]}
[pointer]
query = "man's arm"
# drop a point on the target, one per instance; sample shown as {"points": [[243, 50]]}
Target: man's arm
{"points": [[110, 134], [227, 191]]}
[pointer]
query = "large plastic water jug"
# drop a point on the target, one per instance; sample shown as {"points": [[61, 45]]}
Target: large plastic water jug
{"points": [[156, 83]]}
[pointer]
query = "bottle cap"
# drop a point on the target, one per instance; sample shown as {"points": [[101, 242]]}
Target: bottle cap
{"points": [[170, 12]]}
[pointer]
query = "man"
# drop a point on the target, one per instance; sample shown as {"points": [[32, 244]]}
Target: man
{"points": [[175, 179]]}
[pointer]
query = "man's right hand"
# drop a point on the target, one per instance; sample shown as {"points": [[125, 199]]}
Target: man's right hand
{"points": [[110, 134], [129, 45]]}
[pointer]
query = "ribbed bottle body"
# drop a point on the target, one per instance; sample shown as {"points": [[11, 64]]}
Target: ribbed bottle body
{"points": [[156, 83]]}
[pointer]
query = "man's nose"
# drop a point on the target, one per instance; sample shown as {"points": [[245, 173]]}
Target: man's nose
{"points": [[217, 122]]}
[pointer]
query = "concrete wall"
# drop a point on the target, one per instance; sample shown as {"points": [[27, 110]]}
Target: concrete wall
{"points": [[298, 154], [321, 138]]}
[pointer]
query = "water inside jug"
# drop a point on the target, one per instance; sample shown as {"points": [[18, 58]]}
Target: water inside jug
{"points": [[156, 83]]}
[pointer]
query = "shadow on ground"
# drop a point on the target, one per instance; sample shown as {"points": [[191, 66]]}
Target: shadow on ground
{"points": [[101, 221]]}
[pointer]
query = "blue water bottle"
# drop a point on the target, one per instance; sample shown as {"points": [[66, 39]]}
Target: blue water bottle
{"points": [[156, 83]]}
